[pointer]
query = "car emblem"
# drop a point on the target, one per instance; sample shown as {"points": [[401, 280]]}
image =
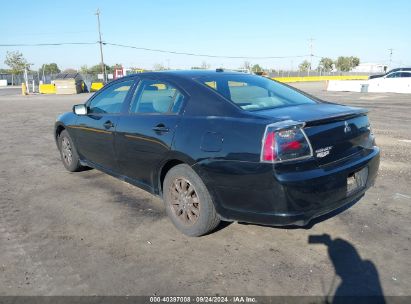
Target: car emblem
{"points": [[347, 128], [323, 151]]}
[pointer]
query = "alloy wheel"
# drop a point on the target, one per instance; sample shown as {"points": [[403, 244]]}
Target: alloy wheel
{"points": [[66, 151], [185, 202]]}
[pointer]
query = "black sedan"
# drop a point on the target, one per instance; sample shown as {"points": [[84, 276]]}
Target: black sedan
{"points": [[219, 145]]}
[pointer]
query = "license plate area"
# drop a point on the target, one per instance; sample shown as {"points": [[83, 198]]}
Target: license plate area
{"points": [[357, 181]]}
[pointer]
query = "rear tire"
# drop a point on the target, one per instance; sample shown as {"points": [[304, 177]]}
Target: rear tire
{"points": [[68, 152], [188, 202]]}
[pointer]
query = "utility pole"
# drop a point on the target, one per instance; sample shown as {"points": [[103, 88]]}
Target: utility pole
{"points": [[311, 54], [390, 56], [103, 66]]}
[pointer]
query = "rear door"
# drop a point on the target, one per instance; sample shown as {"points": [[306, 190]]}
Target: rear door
{"points": [[388, 83], [95, 132], [145, 133]]}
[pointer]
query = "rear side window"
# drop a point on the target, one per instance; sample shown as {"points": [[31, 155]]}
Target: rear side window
{"points": [[243, 92], [255, 93], [156, 97], [111, 98]]}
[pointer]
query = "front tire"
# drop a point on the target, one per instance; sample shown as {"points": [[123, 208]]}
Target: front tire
{"points": [[68, 152], [188, 202]]}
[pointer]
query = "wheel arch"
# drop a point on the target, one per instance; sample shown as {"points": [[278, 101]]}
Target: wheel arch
{"points": [[173, 159], [57, 131]]}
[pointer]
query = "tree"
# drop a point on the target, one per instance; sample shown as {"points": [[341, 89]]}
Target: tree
{"points": [[247, 65], [96, 69], [16, 62], [326, 64], [346, 64], [304, 66], [355, 61], [256, 68], [51, 68], [84, 69]]}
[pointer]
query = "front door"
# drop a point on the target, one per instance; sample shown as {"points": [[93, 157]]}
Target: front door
{"points": [[145, 135], [95, 132]]}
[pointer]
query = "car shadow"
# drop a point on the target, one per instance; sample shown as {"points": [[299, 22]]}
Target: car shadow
{"points": [[359, 278], [222, 225], [85, 168]]}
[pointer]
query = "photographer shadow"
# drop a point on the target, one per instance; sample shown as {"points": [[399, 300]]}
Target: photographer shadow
{"points": [[359, 278]]}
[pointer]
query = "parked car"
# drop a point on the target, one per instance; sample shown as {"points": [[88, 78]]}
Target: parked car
{"points": [[398, 74], [225, 146], [391, 73], [394, 82]]}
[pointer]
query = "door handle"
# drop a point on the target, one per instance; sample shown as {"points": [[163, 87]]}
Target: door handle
{"points": [[161, 128], [108, 124]]}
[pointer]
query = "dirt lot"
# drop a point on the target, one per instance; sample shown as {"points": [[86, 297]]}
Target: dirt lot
{"points": [[89, 234]]}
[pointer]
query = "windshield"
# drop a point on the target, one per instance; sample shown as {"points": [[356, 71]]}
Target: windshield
{"points": [[254, 93]]}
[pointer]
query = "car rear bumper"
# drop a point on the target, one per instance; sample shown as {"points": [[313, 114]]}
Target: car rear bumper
{"points": [[294, 219], [271, 197]]}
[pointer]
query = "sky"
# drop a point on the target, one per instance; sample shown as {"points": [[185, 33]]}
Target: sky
{"points": [[246, 28]]}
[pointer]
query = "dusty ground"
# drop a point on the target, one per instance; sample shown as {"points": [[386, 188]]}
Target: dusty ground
{"points": [[87, 233]]}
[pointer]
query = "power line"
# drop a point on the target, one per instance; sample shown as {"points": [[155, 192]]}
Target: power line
{"points": [[199, 55], [311, 55], [153, 50]]}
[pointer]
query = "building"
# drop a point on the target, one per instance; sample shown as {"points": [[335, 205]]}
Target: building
{"points": [[370, 68]]}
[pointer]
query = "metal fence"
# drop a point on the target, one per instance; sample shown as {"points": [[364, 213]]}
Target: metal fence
{"points": [[285, 73], [34, 79], [13, 79]]}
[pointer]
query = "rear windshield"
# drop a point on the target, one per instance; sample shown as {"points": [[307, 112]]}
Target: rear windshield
{"points": [[253, 93]]}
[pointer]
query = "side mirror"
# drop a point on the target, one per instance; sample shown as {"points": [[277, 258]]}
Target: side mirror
{"points": [[80, 109]]}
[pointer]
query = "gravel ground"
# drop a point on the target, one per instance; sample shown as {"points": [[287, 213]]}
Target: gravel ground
{"points": [[87, 233]]}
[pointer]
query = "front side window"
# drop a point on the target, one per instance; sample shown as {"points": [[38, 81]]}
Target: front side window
{"points": [[254, 93], [110, 99], [155, 96]]}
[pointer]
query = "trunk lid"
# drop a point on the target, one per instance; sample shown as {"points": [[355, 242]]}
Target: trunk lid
{"points": [[335, 131]]}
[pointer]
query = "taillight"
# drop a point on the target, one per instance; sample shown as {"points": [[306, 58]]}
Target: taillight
{"points": [[268, 151], [285, 141]]}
